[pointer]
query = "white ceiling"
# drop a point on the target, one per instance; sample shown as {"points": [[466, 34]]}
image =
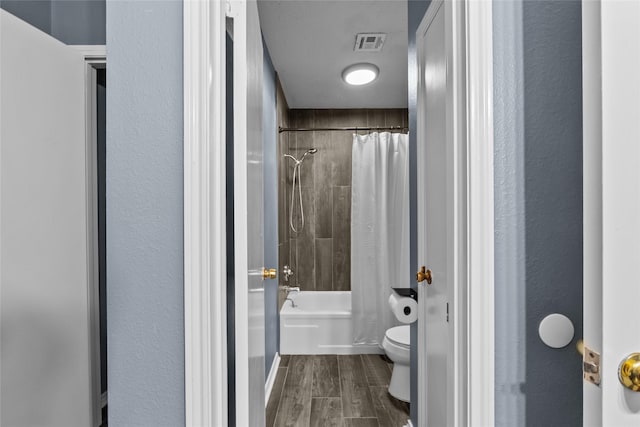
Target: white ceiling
{"points": [[312, 41]]}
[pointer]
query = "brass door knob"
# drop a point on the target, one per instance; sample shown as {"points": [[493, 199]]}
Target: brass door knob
{"points": [[269, 273], [423, 275], [629, 372]]}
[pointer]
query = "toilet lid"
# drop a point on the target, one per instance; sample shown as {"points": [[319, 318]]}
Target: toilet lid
{"points": [[399, 335]]}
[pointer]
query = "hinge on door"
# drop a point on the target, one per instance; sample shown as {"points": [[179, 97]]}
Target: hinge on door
{"points": [[447, 312], [591, 366]]}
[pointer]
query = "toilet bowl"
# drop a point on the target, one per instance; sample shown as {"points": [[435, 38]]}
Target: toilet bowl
{"points": [[396, 346]]}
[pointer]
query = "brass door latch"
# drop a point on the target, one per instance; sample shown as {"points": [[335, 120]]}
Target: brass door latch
{"points": [[590, 363], [423, 275]]}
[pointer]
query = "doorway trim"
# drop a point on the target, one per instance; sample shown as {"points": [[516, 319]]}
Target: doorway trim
{"points": [[205, 219], [205, 298], [95, 57], [92, 64], [479, 357], [472, 295]]}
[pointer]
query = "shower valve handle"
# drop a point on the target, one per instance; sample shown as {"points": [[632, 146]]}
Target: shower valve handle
{"points": [[287, 271]]}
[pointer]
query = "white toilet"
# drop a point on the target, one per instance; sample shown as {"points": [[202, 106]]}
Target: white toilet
{"points": [[396, 345]]}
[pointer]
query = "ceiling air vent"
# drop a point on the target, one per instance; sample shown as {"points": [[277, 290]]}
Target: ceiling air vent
{"points": [[369, 42]]}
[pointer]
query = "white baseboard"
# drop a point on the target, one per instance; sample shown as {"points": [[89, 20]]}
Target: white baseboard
{"points": [[271, 378]]}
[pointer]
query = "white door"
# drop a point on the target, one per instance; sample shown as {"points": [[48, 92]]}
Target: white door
{"points": [[249, 218], [45, 361], [611, 82], [435, 208]]}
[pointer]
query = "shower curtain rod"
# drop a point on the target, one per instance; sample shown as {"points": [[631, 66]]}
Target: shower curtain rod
{"points": [[355, 128]]}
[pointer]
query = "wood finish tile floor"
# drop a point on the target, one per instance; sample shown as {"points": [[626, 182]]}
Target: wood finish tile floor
{"points": [[334, 391]]}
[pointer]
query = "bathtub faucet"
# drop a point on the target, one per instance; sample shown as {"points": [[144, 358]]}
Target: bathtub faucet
{"points": [[292, 288], [293, 303]]}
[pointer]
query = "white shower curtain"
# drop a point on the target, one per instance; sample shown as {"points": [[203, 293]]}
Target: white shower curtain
{"points": [[379, 230]]}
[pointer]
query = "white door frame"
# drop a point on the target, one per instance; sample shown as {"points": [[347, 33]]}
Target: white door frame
{"points": [[592, 199], [95, 56], [205, 272], [477, 365], [205, 219]]}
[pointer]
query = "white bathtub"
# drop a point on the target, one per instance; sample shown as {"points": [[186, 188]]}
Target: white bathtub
{"points": [[320, 323]]}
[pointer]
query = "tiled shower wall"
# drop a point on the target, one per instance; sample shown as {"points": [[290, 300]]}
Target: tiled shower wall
{"points": [[320, 253]]}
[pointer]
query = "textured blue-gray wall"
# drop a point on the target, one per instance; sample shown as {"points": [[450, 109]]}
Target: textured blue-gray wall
{"points": [[552, 45], [70, 21], [510, 280], [78, 21], [145, 213], [416, 11], [35, 12], [538, 186], [270, 149]]}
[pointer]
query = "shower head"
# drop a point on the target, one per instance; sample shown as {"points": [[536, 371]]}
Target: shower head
{"points": [[297, 162], [309, 151]]}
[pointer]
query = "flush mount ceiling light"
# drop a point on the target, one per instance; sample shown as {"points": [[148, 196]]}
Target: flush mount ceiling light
{"points": [[360, 74]]}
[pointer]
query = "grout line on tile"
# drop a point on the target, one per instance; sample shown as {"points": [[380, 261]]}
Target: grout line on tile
{"points": [[311, 390], [340, 386]]}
